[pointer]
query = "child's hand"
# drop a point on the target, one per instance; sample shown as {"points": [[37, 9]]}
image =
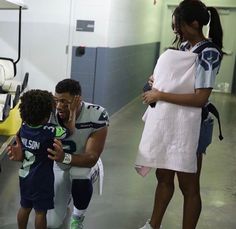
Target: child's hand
{"points": [[57, 153], [73, 106], [75, 103], [14, 152]]}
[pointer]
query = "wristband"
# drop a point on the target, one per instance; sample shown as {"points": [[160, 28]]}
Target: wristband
{"points": [[67, 159]]}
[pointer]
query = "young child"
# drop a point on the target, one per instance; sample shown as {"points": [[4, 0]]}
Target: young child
{"points": [[36, 174]]}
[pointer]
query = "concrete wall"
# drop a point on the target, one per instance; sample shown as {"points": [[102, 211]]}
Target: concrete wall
{"points": [[49, 38], [112, 77]]}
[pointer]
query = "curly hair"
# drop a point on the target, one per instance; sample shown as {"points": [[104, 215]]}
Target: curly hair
{"points": [[68, 85], [36, 106]]}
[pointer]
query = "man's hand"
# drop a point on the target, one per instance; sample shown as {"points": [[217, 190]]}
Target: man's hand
{"points": [[14, 152], [56, 154]]}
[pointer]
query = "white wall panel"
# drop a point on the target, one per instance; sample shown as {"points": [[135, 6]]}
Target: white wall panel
{"points": [[45, 34], [94, 10], [48, 26], [134, 22]]}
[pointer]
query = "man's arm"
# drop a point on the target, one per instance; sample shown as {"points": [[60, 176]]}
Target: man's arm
{"points": [[94, 147]]}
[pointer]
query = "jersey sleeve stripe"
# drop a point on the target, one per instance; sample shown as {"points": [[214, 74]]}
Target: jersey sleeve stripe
{"points": [[61, 133], [87, 125]]}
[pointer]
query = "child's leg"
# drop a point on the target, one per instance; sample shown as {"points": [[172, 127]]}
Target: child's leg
{"points": [[22, 217], [40, 219]]}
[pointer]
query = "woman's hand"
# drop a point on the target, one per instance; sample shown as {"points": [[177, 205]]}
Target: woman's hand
{"points": [[151, 96], [150, 80], [56, 154]]}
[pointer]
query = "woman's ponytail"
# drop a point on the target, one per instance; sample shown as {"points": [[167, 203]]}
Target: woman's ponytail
{"points": [[216, 31]]}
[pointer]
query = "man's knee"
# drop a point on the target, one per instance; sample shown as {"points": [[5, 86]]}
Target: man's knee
{"points": [[54, 220], [82, 191]]}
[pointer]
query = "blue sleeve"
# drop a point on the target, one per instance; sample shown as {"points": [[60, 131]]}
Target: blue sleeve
{"points": [[208, 65]]}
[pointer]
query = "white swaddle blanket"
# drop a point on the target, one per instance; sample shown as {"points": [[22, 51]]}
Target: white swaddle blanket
{"points": [[171, 132]]}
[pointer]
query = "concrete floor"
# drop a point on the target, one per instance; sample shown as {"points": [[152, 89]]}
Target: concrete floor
{"points": [[127, 198]]}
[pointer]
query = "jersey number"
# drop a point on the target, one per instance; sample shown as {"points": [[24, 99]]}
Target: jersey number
{"points": [[69, 146], [28, 161]]}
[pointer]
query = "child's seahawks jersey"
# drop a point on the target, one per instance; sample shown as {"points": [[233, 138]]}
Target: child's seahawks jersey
{"points": [[36, 173], [91, 119]]}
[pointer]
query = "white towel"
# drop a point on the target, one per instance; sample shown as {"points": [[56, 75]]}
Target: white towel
{"points": [[171, 132]]}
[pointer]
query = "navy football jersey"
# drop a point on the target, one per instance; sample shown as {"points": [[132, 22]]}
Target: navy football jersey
{"points": [[36, 174]]}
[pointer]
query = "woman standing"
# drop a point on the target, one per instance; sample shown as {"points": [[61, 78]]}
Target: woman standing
{"points": [[188, 20]]}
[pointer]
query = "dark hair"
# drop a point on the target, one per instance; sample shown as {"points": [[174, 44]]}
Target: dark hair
{"points": [[68, 85], [194, 10], [216, 31], [36, 106]]}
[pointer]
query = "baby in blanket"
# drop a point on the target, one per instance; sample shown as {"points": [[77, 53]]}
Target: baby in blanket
{"points": [[170, 136]]}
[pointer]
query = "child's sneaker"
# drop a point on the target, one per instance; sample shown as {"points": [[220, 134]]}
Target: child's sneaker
{"points": [[76, 222]]}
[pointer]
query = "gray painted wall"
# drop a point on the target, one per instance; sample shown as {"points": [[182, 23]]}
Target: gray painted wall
{"points": [[234, 80], [112, 77], [83, 69]]}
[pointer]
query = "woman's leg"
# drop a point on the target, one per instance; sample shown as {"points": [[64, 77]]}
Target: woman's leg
{"points": [[164, 193], [190, 186]]}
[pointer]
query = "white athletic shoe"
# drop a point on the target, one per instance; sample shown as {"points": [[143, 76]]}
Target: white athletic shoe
{"points": [[147, 225]]}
